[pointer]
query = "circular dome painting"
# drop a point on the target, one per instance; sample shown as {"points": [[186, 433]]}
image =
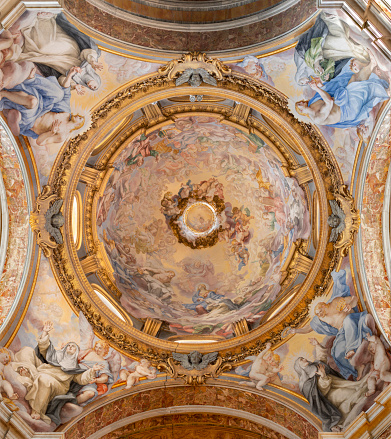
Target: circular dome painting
{"points": [[197, 220]]}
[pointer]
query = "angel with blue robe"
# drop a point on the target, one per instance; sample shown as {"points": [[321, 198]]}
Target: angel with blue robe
{"points": [[347, 99], [28, 105], [340, 318]]}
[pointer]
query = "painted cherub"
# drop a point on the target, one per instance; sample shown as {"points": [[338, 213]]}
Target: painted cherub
{"points": [[142, 369], [95, 351], [265, 368], [5, 386], [381, 364]]}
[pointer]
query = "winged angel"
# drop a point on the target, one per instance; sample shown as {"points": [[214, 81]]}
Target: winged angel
{"points": [[137, 370], [336, 221], [54, 220], [195, 360], [96, 351], [195, 77]]}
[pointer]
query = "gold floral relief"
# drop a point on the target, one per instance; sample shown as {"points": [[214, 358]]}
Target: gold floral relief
{"points": [[258, 96]]}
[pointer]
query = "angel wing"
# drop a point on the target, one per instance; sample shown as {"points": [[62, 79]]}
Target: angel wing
{"points": [[183, 359], [207, 359], [114, 359], [54, 232], [336, 209], [55, 208], [86, 333], [334, 235], [184, 77], [206, 77]]}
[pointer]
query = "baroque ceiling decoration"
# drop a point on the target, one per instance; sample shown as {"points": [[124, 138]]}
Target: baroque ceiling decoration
{"points": [[212, 229], [71, 165]]}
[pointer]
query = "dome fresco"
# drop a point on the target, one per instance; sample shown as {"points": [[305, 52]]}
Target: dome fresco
{"points": [[231, 234], [236, 217]]}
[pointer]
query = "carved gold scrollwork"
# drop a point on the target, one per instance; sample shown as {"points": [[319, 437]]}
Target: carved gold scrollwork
{"points": [[38, 220], [195, 60], [193, 377], [352, 219], [307, 139]]}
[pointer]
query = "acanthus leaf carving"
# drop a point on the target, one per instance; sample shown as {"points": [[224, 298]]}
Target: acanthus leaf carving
{"points": [[351, 219], [193, 61], [46, 220]]}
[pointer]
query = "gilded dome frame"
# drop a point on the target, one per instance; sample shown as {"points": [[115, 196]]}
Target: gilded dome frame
{"points": [[118, 110]]}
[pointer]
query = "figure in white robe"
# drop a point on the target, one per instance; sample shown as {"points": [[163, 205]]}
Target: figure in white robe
{"points": [[55, 45], [325, 49], [52, 373]]}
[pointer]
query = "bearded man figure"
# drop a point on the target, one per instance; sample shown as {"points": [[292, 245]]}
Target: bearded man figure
{"points": [[56, 376]]}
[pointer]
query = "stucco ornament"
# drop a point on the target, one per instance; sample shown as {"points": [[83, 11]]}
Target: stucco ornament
{"points": [[195, 360], [55, 220], [336, 221], [195, 77], [349, 223], [194, 368], [194, 68], [46, 220]]}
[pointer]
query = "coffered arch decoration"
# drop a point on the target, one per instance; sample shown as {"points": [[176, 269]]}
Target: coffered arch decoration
{"points": [[144, 111], [17, 249], [220, 406]]}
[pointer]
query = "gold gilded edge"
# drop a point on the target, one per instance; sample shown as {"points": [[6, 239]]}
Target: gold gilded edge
{"points": [[252, 89]]}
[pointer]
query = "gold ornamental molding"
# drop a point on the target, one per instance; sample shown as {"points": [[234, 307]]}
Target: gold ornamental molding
{"points": [[241, 327], [46, 219], [351, 220], [195, 60], [70, 163], [194, 368], [152, 326]]}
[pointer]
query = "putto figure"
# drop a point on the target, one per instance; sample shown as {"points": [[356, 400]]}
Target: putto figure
{"points": [[195, 360]]}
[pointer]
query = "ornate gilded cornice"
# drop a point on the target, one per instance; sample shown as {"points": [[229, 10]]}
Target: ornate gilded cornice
{"points": [[74, 155]]}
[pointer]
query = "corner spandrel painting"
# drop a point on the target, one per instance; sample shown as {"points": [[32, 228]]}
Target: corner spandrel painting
{"points": [[51, 74], [334, 78]]}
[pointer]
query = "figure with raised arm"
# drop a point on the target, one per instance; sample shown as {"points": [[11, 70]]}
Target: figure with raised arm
{"points": [[55, 373]]}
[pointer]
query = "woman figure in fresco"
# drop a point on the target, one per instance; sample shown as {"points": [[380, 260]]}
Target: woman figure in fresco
{"points": [[40, 108], [340, 318], [331, 397], [55, 46], [255, 68], [56, 376], [325, 49], [346, 100], [203, 297]]}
